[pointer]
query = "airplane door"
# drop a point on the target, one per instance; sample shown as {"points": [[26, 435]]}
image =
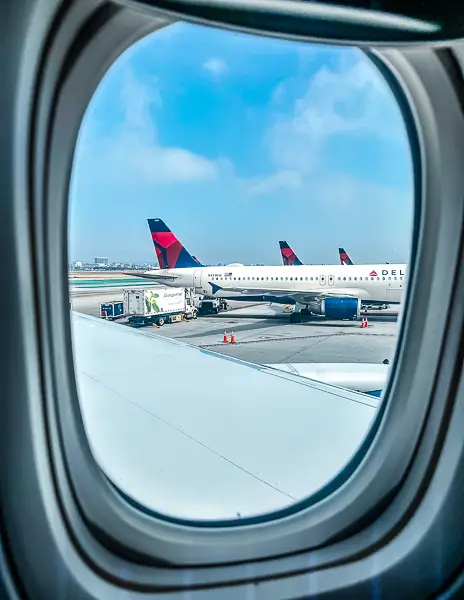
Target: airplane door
{"points": [[322, 279], [197, 279], [331, 279]]}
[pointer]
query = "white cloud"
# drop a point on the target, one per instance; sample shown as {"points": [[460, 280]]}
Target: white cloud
{"points": [[261, 186], [216, 67], [348, 100], [135, 152], [350, 194]]}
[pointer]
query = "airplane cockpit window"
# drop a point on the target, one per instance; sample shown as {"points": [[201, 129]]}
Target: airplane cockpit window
{"points": [[241, 213]]}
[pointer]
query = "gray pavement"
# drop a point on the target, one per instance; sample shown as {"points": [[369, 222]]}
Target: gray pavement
{"points": [[264, 336]]}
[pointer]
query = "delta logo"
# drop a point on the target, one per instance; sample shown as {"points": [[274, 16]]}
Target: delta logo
{"points": [[385, 272]]}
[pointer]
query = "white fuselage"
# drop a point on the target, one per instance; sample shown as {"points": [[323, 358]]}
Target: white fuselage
{"points": [[379, 283]]}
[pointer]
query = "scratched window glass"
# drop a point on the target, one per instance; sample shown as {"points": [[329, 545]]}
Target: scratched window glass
{"points": [[240, 226]]}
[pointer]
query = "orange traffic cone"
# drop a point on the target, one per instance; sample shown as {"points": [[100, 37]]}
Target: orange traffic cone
{"points": [[232, 338], [225, 340], [367, 323], [363, 323]]}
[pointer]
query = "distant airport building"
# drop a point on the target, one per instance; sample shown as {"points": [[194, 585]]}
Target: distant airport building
{"points": [[101, 261]]}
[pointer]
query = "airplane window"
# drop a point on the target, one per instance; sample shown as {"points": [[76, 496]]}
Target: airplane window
{"points": [[165, 128]]}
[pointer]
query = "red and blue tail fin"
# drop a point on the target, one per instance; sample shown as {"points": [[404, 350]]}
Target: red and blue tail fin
{"points": [[288, 256], [170, 252], [344, 258]]}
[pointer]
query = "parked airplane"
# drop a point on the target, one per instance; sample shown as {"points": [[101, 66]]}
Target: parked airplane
{"points": [[328, 290]]}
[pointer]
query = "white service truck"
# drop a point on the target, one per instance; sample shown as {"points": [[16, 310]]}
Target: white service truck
{"points": [[158, 305]]}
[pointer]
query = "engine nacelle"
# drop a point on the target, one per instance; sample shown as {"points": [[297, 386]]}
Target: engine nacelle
{"points": [[235, 265], [337, 308]]}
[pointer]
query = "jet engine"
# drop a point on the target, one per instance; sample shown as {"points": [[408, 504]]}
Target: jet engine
{"points": [[337, 308]]}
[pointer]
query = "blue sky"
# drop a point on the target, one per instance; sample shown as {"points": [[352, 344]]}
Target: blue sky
{"points": [[237, 142]]}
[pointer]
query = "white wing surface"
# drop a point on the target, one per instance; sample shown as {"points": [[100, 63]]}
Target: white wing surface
{"points": [[195, 434]]}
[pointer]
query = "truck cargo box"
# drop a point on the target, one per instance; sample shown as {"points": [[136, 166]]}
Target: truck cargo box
{"points": [[153, 301]]}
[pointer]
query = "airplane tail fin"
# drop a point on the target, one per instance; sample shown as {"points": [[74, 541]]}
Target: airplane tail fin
{"points": [[344, 258], [288, 255], [169, 250]]}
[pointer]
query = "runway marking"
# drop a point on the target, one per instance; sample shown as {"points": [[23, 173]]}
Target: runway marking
{"points": [[300, 337]]}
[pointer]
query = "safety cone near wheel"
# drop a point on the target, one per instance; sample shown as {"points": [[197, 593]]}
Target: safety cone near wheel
{"points": [[367, 323], [363, 323], [232, 338], [225, 340]]}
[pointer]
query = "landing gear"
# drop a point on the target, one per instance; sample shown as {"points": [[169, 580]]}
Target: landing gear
{"points": [[305, 311]]}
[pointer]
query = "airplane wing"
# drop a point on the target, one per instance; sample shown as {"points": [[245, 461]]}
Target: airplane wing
{"points": [[195, 434], [155, 277], [300, 296]]}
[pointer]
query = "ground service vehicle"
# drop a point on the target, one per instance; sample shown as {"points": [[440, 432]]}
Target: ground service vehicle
{"points": [[158, 305], [213, 305], [112, 310]]}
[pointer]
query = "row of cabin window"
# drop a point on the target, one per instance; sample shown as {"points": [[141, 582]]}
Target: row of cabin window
{"points": [[307, 278]]}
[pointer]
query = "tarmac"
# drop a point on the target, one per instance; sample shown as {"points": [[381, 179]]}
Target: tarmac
{"points": [[265, 337]]}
